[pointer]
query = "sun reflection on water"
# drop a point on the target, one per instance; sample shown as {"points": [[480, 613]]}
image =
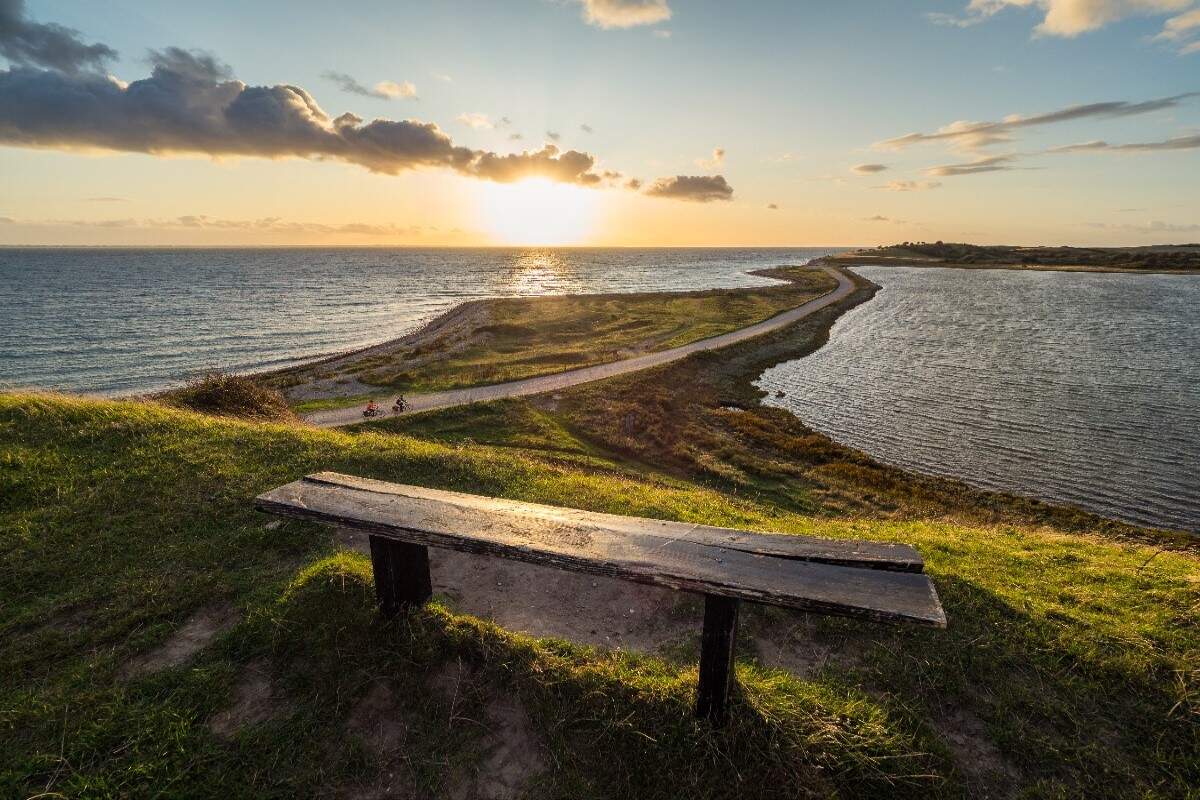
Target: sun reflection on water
{"points": [[539, 271]]}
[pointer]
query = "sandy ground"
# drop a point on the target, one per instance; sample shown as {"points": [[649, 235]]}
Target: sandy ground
{"points": [[337, 417]]}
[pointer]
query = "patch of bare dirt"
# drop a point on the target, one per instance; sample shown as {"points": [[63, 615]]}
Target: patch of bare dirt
{"points": [[511, 759], [797, 649], [254, 700], [193, 636], [543, 601], [976, 756], [379, 719]]}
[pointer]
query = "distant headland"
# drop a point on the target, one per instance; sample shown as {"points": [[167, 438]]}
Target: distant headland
{"points": [[1166, 258]]}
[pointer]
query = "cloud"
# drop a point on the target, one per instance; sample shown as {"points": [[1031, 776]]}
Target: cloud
{"points": [[189, 104], [983, 164], [515, 137], [553, 136], [1154, 226], [1067, 18], [203, 221], [868, 169], [662, 33], [1176, 143], [586, 128], [716, 160], [441, 76], [476, 120], [909, 186], [625, 13], [633, 184], [1180, 29], [106, 199], [696, 188], [27, 43], [772, 207], [877, 218], [972, 135], [384, 90]]}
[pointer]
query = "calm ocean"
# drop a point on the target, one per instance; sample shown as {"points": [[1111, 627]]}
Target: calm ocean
{"points": [[1076, 388]]}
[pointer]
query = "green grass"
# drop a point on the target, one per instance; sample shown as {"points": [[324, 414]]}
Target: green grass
{"points": [[516, 338], [1073, 654]]}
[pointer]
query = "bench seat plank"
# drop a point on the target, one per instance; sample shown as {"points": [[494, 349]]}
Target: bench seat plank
{"points": [[847, 552], [590, 544]]}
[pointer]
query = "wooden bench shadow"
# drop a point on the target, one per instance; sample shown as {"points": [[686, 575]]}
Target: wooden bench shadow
{"points": [[869, 580]]}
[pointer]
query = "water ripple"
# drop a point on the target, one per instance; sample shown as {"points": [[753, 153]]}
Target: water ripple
{"points": [[1076, 388]]}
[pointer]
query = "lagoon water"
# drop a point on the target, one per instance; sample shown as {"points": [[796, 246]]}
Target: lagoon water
{"points": [[1075, 388], [113, 321]]}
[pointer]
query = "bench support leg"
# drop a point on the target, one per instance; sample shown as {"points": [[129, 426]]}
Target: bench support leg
{"points": [[401, 574], [716, 657]]}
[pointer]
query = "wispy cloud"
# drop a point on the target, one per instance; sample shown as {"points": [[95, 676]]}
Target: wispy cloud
{"points": [[868, 169], [203, 221], [1099, 146], [973, 135], [383, 90], [696, 188], [714, 161], [909, 186], [625, 13], [586, 128], [772, 207], [476, 120], [1153, 226], [983, 164], [1067, 18], [106, 199], [553, 136]]}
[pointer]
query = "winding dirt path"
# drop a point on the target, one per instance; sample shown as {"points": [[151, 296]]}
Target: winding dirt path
{"points": [[336, 417]]}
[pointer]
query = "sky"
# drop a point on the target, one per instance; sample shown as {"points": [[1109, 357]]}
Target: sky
{"points": [[599, 122]]}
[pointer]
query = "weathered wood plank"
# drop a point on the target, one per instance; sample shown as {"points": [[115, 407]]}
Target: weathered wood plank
{"points": [[847, 552], [716, 657], [623, 552]]}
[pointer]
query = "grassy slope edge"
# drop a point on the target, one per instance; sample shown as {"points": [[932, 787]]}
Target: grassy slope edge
{"points": [[1075, 654]]}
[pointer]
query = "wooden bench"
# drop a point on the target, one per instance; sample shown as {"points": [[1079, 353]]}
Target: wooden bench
{"points": [[870, 580]]}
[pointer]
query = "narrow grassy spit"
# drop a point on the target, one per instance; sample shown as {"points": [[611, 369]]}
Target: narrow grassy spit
{"points": [[1069, 668], [513, 338]]}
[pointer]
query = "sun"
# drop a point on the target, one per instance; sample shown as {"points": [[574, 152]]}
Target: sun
{"points": [[537, 212]]}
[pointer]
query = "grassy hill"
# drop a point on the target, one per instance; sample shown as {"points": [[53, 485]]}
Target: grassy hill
{"points": [[1069, 668]]}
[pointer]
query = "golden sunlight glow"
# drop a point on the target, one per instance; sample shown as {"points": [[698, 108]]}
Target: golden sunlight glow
{"points": [[537, 212]]}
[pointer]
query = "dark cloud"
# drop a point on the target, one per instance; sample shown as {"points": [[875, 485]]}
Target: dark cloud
{"points": [[697, 188], [985, 164], [868, 169], [1176, 143], [586, 128], [189, 104], [977, 134], [633, 184], [28, 43], [553, 136]]}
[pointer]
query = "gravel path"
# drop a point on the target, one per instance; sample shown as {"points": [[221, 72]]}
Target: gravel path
{"points": [[336, 417]]}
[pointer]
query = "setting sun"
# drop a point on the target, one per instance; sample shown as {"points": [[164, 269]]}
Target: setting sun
{"points": [[537, 211]]}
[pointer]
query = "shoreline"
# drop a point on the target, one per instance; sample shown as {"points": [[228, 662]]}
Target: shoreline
{"points": [[886, 261]]}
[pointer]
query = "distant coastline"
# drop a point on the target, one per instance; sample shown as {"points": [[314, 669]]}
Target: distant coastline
{"points": [[1181, 259]]}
